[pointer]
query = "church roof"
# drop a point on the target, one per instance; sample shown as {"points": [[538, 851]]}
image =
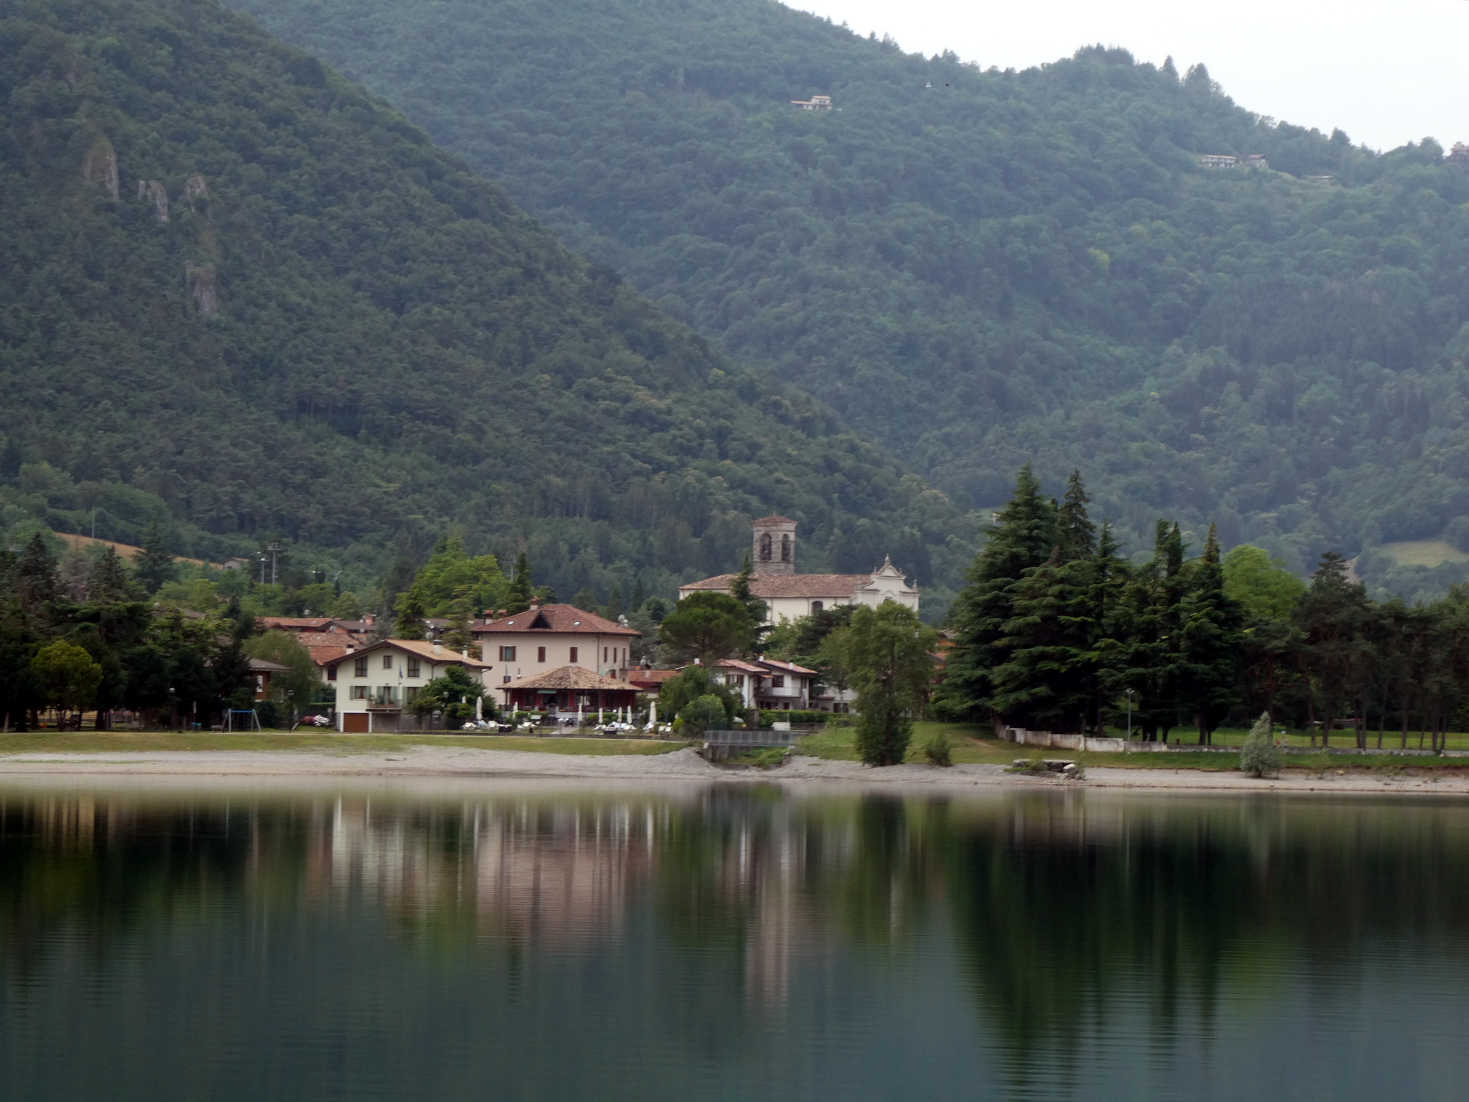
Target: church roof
{"points": [[774, 518], [769, 586]]}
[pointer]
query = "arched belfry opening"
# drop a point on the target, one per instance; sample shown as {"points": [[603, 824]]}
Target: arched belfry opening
{"points": [[774, 545]]}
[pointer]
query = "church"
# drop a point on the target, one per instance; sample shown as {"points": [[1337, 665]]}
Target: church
{"points": [[789, 595]]}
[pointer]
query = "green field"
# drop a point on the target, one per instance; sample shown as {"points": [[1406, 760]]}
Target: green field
{"points": [[1428, 553], [971, 745]]}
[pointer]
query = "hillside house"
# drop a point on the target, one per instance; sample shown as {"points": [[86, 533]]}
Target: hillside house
{"points": [[815, 103]]}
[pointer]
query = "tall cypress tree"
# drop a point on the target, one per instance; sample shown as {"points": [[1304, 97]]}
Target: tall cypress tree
{"points": [[1209, 626], [1022, 537], [155, 565], [521, 591]]}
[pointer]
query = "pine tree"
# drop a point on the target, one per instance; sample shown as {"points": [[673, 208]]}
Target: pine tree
{"points": [[108, 581], [1210, 624], [521, 590], [1022, 537], [155, 565]]}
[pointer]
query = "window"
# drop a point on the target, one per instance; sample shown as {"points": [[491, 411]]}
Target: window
{"points": [[604, 654], [387, 661], [816, 606], [413, 667], [778, 681], [506, 679], [331, 673], [507, 654], [359, 692], [540, 654], [785, 548], [573, 656], [359, 667], [409, 693], [765, 544]]}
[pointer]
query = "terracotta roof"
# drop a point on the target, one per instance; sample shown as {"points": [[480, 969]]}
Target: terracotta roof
{"points": [[555, 618], [647, 677], [323, 646], [295, 623], [775, 518], [420, 647], [788, 667], [770, 586], [265, 665], [739, 664], [568, 677]]}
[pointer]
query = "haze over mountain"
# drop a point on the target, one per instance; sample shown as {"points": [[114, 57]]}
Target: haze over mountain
{"points": [[981, 268], [242, 294]]}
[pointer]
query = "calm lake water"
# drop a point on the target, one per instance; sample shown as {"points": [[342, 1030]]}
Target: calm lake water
{"points": [[730, 943]]}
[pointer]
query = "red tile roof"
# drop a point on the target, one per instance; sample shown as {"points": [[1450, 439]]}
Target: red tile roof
{"points": [[420, 647], [739, 664], [554, 618], [647, 678], [775, 518], [769, 586], [295, 623], [788, 667], [577, 678]]}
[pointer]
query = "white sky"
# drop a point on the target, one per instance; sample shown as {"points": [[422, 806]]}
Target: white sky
{"points": [[1387, 73]]}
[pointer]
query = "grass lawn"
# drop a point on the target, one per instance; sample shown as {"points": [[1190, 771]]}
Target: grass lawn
{"points": [[107, 742], [1423, 552], [970, 745]]}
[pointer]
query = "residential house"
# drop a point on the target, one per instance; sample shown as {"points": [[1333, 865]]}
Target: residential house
{"points": [[547, 637], [376, 685], [789, 595], [815, 103], [262, 670]]}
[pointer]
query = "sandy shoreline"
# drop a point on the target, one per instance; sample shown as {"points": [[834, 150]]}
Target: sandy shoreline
{"points": [[187, 768]]}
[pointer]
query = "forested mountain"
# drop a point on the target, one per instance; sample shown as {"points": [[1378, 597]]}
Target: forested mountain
{"points": [[984, 268], [241, 294]]}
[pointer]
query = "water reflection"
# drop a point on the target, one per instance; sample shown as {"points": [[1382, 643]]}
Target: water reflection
{"points": [[1055, 944]]}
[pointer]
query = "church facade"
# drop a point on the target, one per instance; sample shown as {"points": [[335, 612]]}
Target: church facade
{"points": [[789, 595]]}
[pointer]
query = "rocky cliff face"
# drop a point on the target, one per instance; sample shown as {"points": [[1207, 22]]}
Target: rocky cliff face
{"points": [[154, 192], [203, 288], [99, 166]]}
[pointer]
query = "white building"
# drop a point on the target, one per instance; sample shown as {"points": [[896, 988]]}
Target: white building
{"points": [[376, 685], [789, 595], [546, 637]]}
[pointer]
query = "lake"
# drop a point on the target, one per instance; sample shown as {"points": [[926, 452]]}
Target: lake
{"points": [[729, 942]]}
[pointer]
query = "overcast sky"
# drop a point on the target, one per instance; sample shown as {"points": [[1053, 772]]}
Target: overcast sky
{"points": [[1386, 72]]}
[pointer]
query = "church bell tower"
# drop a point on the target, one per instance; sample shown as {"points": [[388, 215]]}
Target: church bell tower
{"points": [[774, 550]]}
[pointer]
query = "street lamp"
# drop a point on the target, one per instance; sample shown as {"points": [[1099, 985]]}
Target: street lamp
{"points": [[1129, 713]]}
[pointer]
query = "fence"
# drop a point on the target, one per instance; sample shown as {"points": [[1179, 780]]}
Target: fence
{"points": [[1052, 741]]}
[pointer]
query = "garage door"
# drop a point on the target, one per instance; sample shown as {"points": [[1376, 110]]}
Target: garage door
{"points": [[355, 722]]}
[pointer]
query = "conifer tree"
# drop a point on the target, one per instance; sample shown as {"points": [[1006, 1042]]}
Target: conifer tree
{"points": [[1209, 624], [155, 565], [521, 590], [1022, 537]]}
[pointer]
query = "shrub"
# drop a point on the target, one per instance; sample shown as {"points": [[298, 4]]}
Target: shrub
{"points": [[1259, 754], [699, 715], [771, 716], [938, 750]]}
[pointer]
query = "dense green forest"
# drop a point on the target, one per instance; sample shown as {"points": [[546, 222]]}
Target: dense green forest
{"points": [[1055, 631], [985, 268], [243, 300]]}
